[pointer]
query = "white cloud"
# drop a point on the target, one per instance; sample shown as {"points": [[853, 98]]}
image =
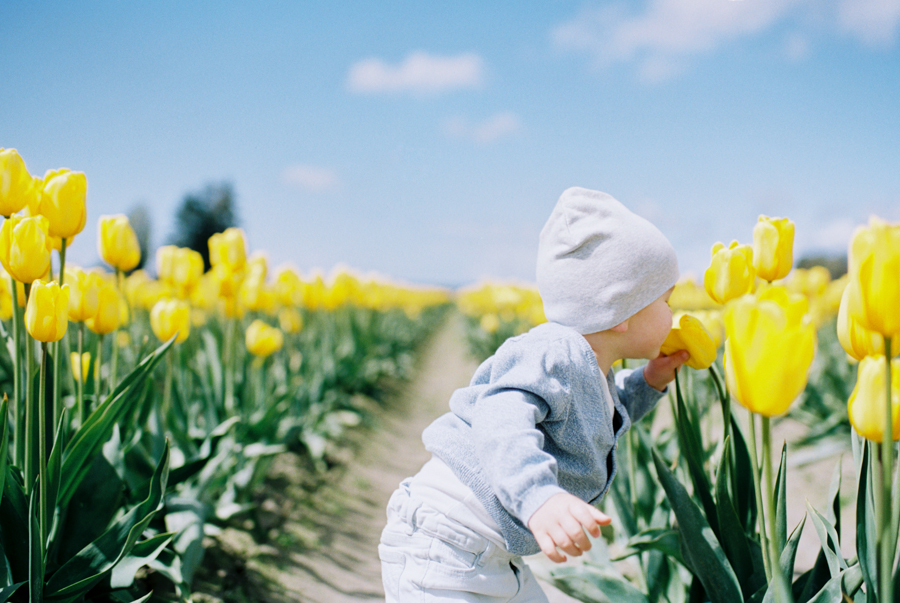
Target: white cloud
{"points": [[419, 73], [500, 125], [796, 48], [875, 22], [311, 178]]}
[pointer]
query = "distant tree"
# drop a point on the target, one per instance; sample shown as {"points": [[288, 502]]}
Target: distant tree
{"points": [[140, 221], [203, 214], [836, 264]]}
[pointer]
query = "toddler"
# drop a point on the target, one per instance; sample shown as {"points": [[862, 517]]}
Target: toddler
{"points": [[529, 447]]}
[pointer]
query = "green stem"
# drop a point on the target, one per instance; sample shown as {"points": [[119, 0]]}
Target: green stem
{"points": [[82, 376], [18, 414], [782, 590], [887, 535], [30, 419], [98, 374], [42, 451], [56, 345], [228, 355], [764, 541], [167, 414]]}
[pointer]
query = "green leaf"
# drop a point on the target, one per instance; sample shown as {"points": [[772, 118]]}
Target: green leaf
{"points": [[35, 550], [688, 428], [848, 581], [7, 591], [732, 535], [4, 447], [664, 540], [82, 572], [789, 552], [866, 541], [702, 551], [781, 502], [89, 439], [143, 553], [830, 543], [744, 493], [600, 585]]}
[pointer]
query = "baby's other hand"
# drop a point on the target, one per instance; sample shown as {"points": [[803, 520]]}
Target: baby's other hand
{"points": [[660, 371], [561, 522]]}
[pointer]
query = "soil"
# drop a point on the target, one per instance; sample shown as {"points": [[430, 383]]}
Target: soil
{"points": [[315, 535]]}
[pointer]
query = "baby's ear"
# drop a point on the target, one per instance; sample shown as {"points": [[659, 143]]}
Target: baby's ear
{"points": [[622, 327]]}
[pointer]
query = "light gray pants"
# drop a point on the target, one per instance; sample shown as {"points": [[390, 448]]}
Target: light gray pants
{"points": [[428, 557]]}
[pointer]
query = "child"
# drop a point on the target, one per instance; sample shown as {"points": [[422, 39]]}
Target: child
{"points": [[529, 446]]}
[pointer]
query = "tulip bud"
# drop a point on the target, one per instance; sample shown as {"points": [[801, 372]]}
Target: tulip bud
{"points": [[24, 247], [107, 319], [289, 286], [874, 268], [263, 340], [83, 302], [16, 184], [228, 248], [769, 348], [118, 245], [866, 406], [180, 267], [730, 273], [773, 247], [62, 201], [856, 340], [47, 311], [80, 366], [691, 335], [290, 320], [170, 317]]}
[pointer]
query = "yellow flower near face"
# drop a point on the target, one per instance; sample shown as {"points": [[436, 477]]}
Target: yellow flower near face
{"points": [[47, 311], [263, 340], [107, 319], [228, 248], [730, 273], [856, 340], [80, 366], [769, 347], [773, 247], [866, 406], [63, 202], [16, 184], [874, 268], [117, 243], [25, 247], [691, 335], [83, 300], [170, 317]]}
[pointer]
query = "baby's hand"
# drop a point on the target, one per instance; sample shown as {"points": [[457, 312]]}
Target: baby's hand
{"points": [[660, 371], [561, 522]]}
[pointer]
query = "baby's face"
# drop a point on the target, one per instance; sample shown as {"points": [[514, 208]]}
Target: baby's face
{"points": [[648, 328]]}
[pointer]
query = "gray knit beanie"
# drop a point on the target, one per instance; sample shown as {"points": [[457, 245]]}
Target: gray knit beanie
{"points": [[598, 263]]}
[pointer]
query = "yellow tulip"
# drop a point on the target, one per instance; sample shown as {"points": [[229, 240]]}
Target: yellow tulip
{"points": [[180, 267], [47, 311], [773, 247], [691, 335], [83, 300], [769, 348], [263, 340], [290, 320], [107, 319], [856, 340], [874, 268], [730, 273], [255, 295], [117, 243], [289, 286], [62, 201], [25, 247], [228, 248], [170, 317], [80, 366], [6, 307], [16, 184], [866, 406]]}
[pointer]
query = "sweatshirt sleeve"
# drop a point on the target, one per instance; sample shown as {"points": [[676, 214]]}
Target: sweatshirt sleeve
{"points": [[636, 394], [525, 389]]}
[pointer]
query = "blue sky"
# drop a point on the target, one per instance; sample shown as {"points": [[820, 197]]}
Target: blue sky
{"points": [[429, 141]]}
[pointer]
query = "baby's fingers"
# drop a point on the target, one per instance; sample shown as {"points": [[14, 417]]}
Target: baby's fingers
{"points": [[548, 547]]}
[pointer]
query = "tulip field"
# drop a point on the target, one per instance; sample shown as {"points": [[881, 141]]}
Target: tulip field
{"points": [[141, 409]]}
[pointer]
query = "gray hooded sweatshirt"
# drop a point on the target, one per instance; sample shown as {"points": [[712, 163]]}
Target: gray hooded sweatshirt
{"points": [[535, 421]]}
